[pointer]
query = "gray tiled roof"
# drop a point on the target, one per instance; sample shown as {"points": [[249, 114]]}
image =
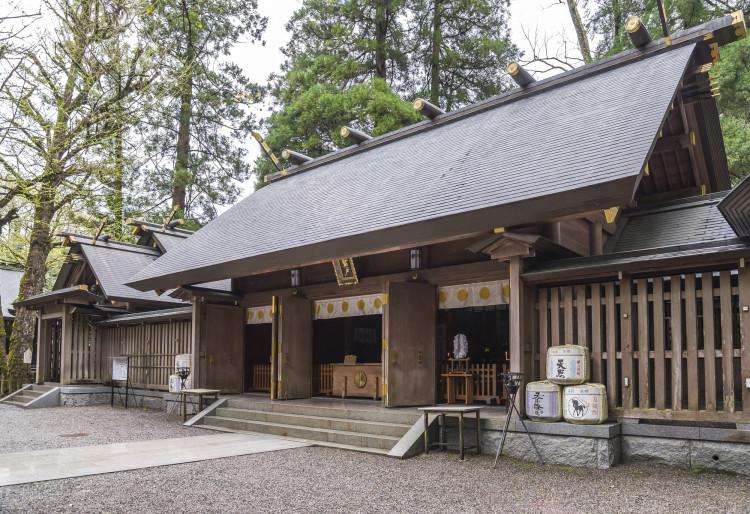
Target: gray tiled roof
{"points": [[10, 282], [735, 208], [503, 161], [695, 220], [114, 264]]}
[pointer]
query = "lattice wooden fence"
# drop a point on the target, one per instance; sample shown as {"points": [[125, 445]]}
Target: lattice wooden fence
{"points": [[659, 358]]}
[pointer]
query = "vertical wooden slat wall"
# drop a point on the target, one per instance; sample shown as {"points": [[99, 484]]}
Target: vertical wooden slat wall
{"points": [[151, 346], [675, 338]]}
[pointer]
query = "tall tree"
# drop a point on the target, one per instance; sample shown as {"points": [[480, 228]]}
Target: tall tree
{"points": [[51, 153], [200, 119], [459, 49]]}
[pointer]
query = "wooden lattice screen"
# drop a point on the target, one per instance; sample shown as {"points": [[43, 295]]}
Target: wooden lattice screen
{"points": [[152, 347], [633, 343]]}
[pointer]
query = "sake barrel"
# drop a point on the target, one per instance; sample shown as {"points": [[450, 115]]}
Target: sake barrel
{"points": [[568, 364], [543, 401], [174, 383], [585, 404]]}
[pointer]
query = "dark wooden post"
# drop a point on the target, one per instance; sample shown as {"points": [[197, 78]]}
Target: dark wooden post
{"points": [[66, 340], [198, 310], [626, 341], [521, 310], [744, 300], [42, 348]]}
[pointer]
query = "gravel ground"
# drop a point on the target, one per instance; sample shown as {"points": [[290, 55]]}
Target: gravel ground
{"points": [[327, 480], [63, 427]]}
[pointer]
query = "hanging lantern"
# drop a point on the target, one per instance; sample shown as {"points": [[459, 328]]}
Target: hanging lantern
{"points": [[416, 259], [296, 276]]}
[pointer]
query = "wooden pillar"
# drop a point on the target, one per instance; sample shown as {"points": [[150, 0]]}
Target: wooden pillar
{"points": [[521, 311], [199, 360], [744, 299], [42, 348], [66, 341], [626, 341]]}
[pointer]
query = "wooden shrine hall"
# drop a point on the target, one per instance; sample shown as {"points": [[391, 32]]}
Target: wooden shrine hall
{"points": [[593, 207]]}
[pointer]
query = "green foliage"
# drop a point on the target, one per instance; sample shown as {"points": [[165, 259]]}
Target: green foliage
{"points": [[199, 116], [352, 62], [310, 122]]}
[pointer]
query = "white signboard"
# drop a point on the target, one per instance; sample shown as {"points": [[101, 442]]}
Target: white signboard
{"points": [[27, 356], [120, 368]]}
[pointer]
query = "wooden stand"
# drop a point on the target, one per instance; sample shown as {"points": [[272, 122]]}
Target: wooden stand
{"points": [[451, 380]]}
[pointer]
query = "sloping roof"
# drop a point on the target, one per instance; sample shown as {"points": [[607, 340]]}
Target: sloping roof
{"points": [[79, 292], [685, 230], [163, 314], [692, 220], [494, 165], [735, 208], [10, 283], [114, 263]]}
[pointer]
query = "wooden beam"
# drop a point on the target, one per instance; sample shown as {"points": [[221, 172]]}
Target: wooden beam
{"points": [[626, 341], [672, 143], [66, 340]]}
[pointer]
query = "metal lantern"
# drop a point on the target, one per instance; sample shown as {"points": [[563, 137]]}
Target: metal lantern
{"points": [[296, 276], [415, 259], [512, 381], [183, 373]]}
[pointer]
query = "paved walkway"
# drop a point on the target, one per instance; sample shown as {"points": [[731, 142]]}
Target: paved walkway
{"points": [[37, 466]]}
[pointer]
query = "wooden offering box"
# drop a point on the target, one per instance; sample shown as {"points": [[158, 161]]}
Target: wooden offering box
{"points": [[357, 380]]}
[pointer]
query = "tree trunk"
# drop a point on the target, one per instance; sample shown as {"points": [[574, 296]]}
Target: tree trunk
{"points": [[437, 41], [33, 279], [381, 32], [583, 40], [115, 197], [181, 177]]}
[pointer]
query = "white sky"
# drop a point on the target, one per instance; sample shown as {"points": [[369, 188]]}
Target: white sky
{"points": [[549, 19]]}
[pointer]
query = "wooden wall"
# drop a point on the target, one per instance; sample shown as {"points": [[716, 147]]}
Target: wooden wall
{"points": [[668, 346]]}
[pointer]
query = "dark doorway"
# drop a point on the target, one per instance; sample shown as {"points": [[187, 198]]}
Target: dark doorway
{"points": [[258, 357], [334, 339], [487, 330]]}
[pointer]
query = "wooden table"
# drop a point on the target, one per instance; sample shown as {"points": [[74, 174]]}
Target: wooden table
{"points": [[361, 380], [451, 381], [460, 410], [200, 393]]}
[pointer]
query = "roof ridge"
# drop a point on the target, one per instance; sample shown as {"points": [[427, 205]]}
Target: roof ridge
{"points": [[111, 244], [678, 40]]}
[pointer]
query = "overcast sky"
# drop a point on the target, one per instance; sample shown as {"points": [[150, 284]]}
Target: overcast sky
{"points": [[548, 18]]}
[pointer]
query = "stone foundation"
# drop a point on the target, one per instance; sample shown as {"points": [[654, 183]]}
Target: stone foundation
{"points": [[603, 446]]}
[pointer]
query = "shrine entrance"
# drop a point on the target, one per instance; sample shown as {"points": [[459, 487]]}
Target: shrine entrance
{"points": [[477, 314], [347, 336]]}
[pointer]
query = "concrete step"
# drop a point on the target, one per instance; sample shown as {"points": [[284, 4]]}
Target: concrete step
{"points": [[327, 444], [341, 424], [382, 442], [23, 398], [14, 403], [406, 416], [43, 388], [33, 392]]}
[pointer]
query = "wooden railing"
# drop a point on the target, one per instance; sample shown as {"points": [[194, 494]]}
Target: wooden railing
{"points": [[487, 383], [322, 379], [675, 347], [261, 377]]}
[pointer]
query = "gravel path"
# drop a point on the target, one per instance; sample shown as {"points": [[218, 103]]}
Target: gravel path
{"points": [[327, 480], [63, 427]]}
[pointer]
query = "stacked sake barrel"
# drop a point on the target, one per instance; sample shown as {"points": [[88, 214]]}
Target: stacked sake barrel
{"points": [[566, 393]]}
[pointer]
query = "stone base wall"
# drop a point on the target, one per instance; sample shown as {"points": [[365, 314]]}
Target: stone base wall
{"points": [[80, 396], [603, 446]]}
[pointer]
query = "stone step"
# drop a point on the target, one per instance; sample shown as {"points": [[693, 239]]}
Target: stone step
{"points": [[342, 424], [23, 398], [43, 388], [406, 416], [382, 442], [326, 444], [15, 403], [33, 392]]}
